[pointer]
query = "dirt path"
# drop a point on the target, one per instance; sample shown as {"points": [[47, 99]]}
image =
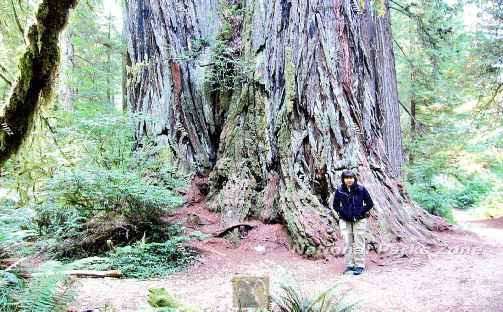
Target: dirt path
{"points": [[466, 276]]}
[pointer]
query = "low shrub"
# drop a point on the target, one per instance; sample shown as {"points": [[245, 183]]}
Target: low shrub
{"points": [[434, 199], [145, 260], [87, 210], [472, 193], [293, 299]]}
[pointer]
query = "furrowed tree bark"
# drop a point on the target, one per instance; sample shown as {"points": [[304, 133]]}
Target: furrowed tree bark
{"points": [[314, 92], [37, 70]]}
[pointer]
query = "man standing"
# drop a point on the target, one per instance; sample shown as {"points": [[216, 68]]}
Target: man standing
{"points": [[352, 203]]}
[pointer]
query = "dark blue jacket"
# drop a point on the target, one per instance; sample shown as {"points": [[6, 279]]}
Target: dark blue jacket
{"points": [[352, 205]]}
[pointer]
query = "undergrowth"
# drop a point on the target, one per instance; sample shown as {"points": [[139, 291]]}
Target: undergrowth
{"points": [[49, 291], [461, 170], [82, 187], [145, 260]]}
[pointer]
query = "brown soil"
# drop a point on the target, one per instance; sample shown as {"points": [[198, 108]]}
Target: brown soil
{"points": [[491, 223], [464, 275]]}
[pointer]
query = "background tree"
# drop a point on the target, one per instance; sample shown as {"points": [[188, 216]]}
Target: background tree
{"points": [[94, 55], [446, 80], [488, 51]]}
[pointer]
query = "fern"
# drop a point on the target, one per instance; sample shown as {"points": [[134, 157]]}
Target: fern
{"points": [[48, 293], [5, 8], [293, 300], [14, 228], [7, 297]]}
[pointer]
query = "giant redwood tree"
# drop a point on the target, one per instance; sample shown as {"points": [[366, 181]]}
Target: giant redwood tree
{"points": [[271, 99]]}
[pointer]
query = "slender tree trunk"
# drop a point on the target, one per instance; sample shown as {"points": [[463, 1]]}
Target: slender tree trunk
{"points": [[66, 91], [124, 81], [415, 29], [281, 97], [37, 69], [124, 56], [388, 96], [109, 62], [413, 108]]}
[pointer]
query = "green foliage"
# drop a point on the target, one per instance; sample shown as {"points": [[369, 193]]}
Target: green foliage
{"points": [[473, 191], [434, 200], [228, 70], [8, 295], [229, 67], [50, 291], [93, 74], [93, 189], [161, 298], [447, 65], [15, 229], [12, 44], [146, 260], [431, 57], [486, 52], [294, 300], [461, 170], [118, 195], [93, 193], [452, 153], [47, 294], [106, 205]]}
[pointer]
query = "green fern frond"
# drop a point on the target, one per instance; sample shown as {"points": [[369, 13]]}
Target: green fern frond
{"points": [[293, 300], [48, 293], [5, 8]]}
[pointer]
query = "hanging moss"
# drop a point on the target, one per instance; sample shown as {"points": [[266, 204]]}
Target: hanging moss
{"points": [[37, 69]]}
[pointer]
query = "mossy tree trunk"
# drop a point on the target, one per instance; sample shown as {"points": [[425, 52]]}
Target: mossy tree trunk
{"points": [[37, 70], [271, 100]]}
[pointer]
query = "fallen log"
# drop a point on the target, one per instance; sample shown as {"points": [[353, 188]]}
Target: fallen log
{"points": [[81, 273], [13, 265], [245, 226]]}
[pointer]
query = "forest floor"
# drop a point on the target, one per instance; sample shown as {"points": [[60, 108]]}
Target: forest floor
{"points": [[466, 275]]}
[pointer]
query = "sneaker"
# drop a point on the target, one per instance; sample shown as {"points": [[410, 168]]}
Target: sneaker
{"points": [[358, 270], [349, 270]]}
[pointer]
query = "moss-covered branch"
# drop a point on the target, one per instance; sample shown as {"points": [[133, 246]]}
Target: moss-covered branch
{"points": [[37, 68]]}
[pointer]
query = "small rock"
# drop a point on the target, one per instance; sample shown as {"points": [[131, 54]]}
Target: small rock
{"points": [[259, 249]]}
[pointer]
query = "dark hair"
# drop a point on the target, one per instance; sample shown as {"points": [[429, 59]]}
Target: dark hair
{"points": [[348, 174]]}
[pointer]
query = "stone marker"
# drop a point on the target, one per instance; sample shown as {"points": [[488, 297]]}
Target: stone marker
{"points": [[250, 292]]}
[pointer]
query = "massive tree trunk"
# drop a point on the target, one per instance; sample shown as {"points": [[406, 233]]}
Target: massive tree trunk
{"points": [[271, 100], [37, 69]]}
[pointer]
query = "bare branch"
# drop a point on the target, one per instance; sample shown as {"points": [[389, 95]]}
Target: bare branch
{"points": [[4, 78], [84, 59]]}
